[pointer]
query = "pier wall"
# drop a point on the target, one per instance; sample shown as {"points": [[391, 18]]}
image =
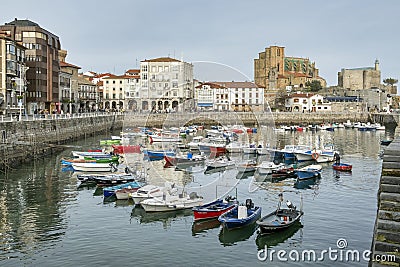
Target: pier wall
{"points": [[21, 141], [386, 240], [250, 119]]}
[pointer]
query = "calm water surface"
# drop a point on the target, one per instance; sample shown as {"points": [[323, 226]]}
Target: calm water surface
{"points": [[47, 220]]}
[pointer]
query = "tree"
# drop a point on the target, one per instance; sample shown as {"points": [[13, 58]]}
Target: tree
{"points": [[314, 85], [391, 82]]}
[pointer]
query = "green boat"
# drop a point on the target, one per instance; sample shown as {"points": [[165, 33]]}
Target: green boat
{"points": [[104, 160], [110, 142]]}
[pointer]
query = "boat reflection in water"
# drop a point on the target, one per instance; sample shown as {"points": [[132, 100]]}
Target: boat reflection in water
{"points": [[276, 238], [233, 236], [165, 217], [244, 175], [200, 227], [306, 184]]}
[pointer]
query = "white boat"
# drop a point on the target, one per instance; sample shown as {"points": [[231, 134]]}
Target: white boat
{"points": [[313, 167], [379, 127], [83, 154], [266, 167], [250, 149], [234, 147], [247, 166], [171, 203], [221, 162], [149, 191], [163, 139], [194, 144], [93, 167], [325, 155]]}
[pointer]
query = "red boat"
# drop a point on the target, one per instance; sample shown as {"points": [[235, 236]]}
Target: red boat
{"points": [[213, 209], [218, 149], [342, 167], [121, 149], [183, 159]]}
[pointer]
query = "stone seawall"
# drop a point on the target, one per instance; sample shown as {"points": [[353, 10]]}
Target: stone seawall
{"points": [[21, 141], [386, 240]]}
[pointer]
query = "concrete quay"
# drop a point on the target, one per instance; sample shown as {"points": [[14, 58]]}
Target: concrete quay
{"points": [[386, 239]]}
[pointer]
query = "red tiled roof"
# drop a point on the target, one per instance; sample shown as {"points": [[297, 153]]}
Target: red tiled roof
{"points": [[237, 84], [101, 75], [161, 59], [65, 64], [306, 95], [133, 71], [212, 85]]}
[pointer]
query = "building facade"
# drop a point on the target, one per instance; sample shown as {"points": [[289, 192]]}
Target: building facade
{"points": [[273, 71], [229, 96], [166, 85], [360, 78], [68, 87], [114, 92], [42, 60], [12, 76], [132, 90], [300, 102], [86, 97]]}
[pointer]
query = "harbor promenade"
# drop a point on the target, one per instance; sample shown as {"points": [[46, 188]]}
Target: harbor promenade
{"points": [[386, 240]]}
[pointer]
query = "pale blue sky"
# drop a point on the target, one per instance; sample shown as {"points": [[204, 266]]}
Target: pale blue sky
{"points": [[111, 36]]}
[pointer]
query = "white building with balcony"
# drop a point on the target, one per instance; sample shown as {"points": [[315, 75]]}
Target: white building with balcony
{"points": [[166, 85], [307, 102]]}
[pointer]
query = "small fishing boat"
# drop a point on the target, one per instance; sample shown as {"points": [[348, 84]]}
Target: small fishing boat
{"points": [[107, 179], [267, 167], [152, 191], [110, 191], [219, 163], [95, 155], [214, 209], [309, 172], [124, 193], [283, 173], [110, 142], [157, 154], [172, 202], [342, 167], [280, 219], [93, 167], [122, 149], [163, 139], [250, 149], [247, 166], [240, 215], [187, 159]]}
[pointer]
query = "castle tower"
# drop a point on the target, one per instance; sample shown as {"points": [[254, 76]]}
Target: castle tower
{"points": [[376, 64]]}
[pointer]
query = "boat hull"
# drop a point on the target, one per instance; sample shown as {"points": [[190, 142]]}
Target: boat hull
{"points": [[230, 221], [342, 167], [169, 206], [212, 210], [278, 220]]}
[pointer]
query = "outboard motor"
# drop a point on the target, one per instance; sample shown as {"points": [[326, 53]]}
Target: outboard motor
{"points": [[249, 204]]}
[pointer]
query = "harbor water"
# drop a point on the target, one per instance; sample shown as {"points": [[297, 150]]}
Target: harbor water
{"points": [[48, 219]]}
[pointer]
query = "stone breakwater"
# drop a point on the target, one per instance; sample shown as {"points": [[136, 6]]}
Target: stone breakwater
{"points": [[22, 141]]}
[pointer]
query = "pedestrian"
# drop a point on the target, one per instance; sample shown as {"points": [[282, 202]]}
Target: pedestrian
{"points": [[336, 157]]}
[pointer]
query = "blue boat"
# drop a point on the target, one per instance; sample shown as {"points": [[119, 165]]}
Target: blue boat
{"points": [[110, 191], [309, 172], [240, 216], [157, 154]]}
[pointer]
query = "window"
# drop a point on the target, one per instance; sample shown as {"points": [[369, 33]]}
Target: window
{"points": [[106, 82], [120, 82], [113, 82]]}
